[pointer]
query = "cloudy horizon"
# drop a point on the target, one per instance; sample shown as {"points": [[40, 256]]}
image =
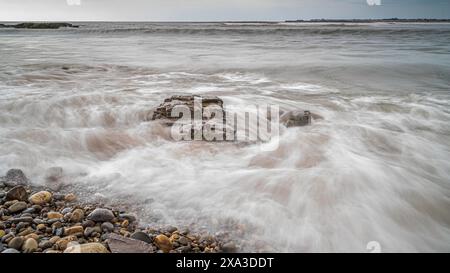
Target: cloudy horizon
{"points": [[218, 10]]}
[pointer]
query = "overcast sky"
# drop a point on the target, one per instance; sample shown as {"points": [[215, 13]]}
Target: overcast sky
{"points": [[217, 10]]}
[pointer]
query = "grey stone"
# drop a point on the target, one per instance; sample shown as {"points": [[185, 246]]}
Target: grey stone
{"points": [[21, 219], [28, 211], [209, 106], [101, 215], [107, 226], [141, 236], [10, 251], [17, 207], [229, 247], [120, 244], [88, 223], [66, 210], [45, 244], [59, 232], [171, 229], [15, 177], [128, 216], [183, 249], [296, 118], [183, 240], [58, 197]]}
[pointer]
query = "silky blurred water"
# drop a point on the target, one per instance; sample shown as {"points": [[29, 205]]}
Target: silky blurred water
{"points": [[376, 168]]}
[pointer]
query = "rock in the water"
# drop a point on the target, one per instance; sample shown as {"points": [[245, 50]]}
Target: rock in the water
{"points": [[120, 244], [101, 215], [296, 118], [17, 193], [163, 242], [128, 216], [141, 236], [209, 110], [15, 177], [53, 178], [87, 248], [40, 198], [17, 207], [229, 248], [30, 246], [16, 243], [39, 25]]}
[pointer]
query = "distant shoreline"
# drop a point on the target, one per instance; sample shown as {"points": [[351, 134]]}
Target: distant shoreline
{"points": [[390, 20]]}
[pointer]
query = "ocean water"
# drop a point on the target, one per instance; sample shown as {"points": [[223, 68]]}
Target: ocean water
{"points": [[375, 168]]}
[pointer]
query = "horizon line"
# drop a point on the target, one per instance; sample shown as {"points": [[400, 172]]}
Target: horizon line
{"points": [[238, 21]]}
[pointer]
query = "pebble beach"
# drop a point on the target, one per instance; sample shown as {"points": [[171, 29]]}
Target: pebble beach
{"points": [[35, 219]]}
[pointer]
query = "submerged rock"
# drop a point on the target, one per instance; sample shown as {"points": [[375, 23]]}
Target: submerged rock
{"points": [[53, 178], [15, 177], [296, 118], [205, 112], [205, 118]]}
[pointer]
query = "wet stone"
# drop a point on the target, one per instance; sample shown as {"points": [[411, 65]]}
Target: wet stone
{"points": [[141, 236], [101, 215], [17, 207], [16, 243], [10, 251], [15, 177], [107, 226], [17, 193]]}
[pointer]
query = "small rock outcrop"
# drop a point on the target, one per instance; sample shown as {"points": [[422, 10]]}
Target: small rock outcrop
{"points": [[168, 114], [296, 118], [39, 25], [210, 107]]}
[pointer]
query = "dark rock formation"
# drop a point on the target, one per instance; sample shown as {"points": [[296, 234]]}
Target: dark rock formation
{"points": [[200, 115], [206, 115], [296, 118], [39, 25], [15, 177]]}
